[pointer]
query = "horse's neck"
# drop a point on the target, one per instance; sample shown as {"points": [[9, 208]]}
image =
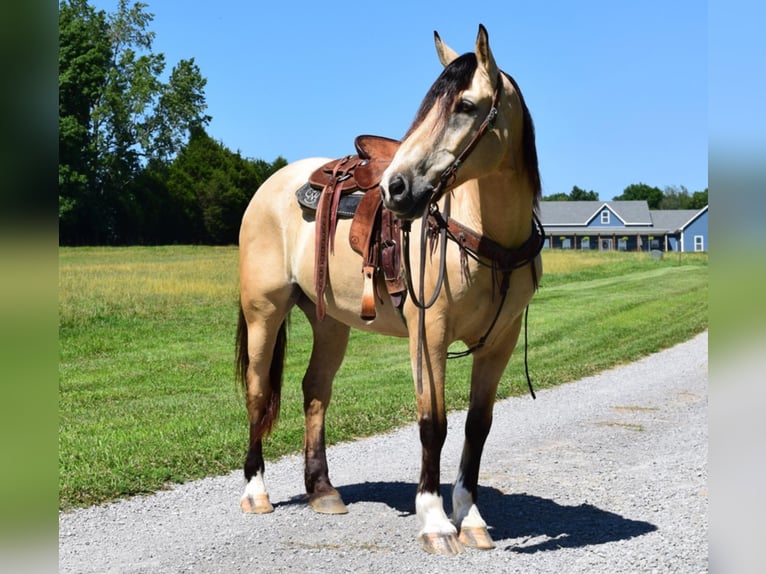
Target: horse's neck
{"points": [[497, 206]]}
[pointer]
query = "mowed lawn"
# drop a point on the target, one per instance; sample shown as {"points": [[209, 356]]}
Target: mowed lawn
{"points": [[146, 375]]}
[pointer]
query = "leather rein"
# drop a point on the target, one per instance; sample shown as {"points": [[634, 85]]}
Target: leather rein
{"points": [[471, 244]]}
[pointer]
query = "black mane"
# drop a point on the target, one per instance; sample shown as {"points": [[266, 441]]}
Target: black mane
{"points": [[453, 80], [529, 146]]}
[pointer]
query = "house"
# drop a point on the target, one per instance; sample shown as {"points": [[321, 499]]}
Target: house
{"points": [[622, 226]]}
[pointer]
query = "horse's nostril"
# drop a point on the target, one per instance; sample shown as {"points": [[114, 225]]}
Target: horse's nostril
{"points": [[397, 187]]}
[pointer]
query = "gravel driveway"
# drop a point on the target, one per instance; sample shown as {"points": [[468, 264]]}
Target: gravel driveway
{"points": [[607, 474]]}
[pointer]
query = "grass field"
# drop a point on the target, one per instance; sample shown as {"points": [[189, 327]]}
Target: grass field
{"points": [[146, 372]]}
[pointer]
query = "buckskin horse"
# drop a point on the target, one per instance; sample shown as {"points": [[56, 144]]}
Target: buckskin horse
{"points": [[465, 180]]}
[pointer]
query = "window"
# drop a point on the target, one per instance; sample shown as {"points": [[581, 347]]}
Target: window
{"points": [[699, 243], [585, 243], [622, 244], [566, 243], [605, 219]]}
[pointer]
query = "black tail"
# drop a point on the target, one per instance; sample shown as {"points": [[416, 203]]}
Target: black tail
{"points": [[270, 416]]}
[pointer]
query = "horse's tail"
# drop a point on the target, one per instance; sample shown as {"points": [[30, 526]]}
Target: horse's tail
{"points": [[270, 416]]}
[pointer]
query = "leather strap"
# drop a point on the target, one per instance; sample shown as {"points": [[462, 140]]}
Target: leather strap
{"points": [[324, 242], [343, 176], [502, 258], [376, 235], [390, 255], [448, 175]]}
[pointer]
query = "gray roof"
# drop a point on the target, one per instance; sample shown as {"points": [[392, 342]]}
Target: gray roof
{"points": [[576, 213], [673, 219]]}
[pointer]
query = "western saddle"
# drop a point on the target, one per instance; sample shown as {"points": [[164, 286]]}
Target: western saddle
{"points": [[350, 187]]}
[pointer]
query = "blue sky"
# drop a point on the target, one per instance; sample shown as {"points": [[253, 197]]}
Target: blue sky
{"points": [[617, 90]]}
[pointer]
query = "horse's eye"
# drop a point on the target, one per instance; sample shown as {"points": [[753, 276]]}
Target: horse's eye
{"points": [[465, 107]]}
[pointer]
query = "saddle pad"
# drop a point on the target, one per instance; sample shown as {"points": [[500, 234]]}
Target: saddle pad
{"points": [[308, 198]]}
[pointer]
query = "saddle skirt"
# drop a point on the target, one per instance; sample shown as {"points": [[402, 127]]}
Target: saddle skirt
{"points": [[350, 187]]}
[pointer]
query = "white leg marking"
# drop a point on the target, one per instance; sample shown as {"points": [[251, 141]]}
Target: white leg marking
{"points": [[430, 511], [255, 486], [465, 514]]}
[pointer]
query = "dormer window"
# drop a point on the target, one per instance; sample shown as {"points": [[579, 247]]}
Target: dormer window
{"points": [[605, 217]]}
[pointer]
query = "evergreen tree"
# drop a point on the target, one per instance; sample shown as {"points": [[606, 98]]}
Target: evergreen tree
{"points": [[210, 187]]}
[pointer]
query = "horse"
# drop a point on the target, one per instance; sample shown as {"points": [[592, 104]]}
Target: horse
{"points": [[466, 172]]}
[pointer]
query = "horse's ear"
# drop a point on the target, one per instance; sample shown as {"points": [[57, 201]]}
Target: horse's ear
{"points": [[484, 55], [446, 54]]}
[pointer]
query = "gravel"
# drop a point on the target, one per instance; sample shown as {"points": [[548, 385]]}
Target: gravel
{"points": [[606, 474]]}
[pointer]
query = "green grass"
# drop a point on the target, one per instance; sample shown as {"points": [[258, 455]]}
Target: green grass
{"points": [[146, 373]]}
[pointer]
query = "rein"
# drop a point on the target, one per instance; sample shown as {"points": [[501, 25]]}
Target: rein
{"points": [[419, 300], [471, 244]]}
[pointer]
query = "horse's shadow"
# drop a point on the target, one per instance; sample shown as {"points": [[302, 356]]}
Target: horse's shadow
{"points": [[530, 523]]}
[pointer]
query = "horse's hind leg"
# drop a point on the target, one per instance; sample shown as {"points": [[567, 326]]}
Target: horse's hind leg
{"points": [[261, 346], [330, 340]]}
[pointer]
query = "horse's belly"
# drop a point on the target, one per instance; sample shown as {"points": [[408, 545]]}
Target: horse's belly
{"points": [[345, 283]]}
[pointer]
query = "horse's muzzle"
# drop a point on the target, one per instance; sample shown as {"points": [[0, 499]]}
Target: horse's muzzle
{"points": [[406, 198]]}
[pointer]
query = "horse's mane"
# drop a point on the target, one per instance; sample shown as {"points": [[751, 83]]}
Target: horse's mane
{"points": [[529, 146], [454, 79]]}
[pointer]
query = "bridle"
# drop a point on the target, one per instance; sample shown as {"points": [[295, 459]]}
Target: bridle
{"points": [[447, 177], [471, 244]]}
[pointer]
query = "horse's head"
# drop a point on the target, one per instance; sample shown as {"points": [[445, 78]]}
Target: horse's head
{"points": [[473, 118]]}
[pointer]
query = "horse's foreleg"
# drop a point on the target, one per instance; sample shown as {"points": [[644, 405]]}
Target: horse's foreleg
{"points": [[437, 535], [330, 340], [488, 367]]}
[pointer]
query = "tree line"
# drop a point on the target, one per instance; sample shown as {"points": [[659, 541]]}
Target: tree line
{"points": [[671, 197], [136, 165]]}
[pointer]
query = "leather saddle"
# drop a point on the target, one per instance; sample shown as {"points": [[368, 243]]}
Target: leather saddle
{"points": [[350, 187]]}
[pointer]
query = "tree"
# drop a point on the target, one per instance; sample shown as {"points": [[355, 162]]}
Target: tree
{"points": [[699, 199], [84, 56], [209, 188], [116, 116], [642, 191], [679, 198], [557, 197], [181, 103], [675, 197], [576, 194]]}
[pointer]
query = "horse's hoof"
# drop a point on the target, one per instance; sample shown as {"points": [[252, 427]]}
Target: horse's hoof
{"points": [[256, 504], [438, 543], [476, 537], [328, 504]]}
